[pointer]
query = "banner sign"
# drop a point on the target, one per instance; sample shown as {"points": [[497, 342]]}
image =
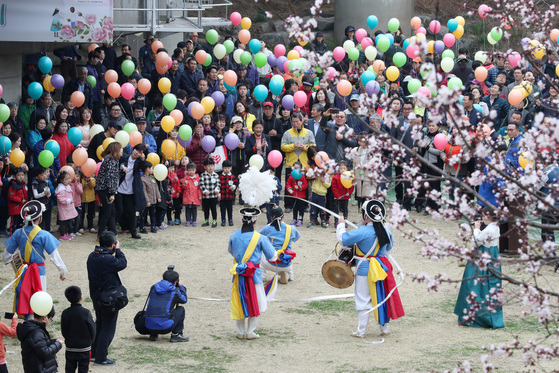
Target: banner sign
{"points": [[74, 21]]}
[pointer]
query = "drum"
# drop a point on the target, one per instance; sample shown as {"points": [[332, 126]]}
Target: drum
{"points": [[16, 262], [338, 272]]}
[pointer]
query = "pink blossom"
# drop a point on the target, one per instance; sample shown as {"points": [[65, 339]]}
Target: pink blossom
{"points": [[66, 32], [80, 25], [108, 23], [99, 34], [90, 19]]}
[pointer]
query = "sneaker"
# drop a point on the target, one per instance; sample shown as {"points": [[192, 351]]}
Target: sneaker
{"points": [[310, 225], [72, 234], [66, 237], [171, 223], [205, 223], [194, 224], [231, 222], [324, 224], [153, 230], [214, 224], [187, 224], [143, 231], [178, 338], [293, 222], [299, 223], [223, 223], [78, 234], [153, 337], [252, 336], [106, 362], [177, 222], [287, 210], [81, 231], [92, 230], [163, 225]]}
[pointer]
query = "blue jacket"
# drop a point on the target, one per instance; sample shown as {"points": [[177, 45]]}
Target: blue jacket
{"points": [[163, 297]]}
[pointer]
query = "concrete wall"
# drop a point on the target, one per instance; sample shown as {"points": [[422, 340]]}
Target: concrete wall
{"points": [[355, 13], [10, 77]]}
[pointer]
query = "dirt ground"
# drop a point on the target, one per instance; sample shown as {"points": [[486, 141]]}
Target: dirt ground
{"points": [[295, 335]]}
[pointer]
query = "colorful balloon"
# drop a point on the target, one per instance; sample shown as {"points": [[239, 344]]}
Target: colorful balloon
{"points": [[46, 158]]}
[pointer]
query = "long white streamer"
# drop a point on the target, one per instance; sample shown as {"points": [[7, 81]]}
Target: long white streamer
{"points": [[14, 280]]}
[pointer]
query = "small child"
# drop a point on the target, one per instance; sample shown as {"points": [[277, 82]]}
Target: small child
{"points": [[209, 184], [66, 209], [228, 186], [297, 188], [182, 167], [40, 191], [152, 195], [274, 201], [191, 194], [341, 193], [320, 187], [176, 195], [166, 204], [78, 329], [17, 197], [77, 190], [88, 202]]}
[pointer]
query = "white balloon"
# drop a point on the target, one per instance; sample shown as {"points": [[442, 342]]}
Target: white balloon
{"points": [[41, 303], [491, 40], [237, 55], [371, 53], [122, 137], [256, 161], [348, 44], [160, 172], [219, 51], [97, 128]]}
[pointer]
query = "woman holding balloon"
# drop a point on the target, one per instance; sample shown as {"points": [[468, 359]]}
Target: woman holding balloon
{"points": [[258, 143], [61, 137]]}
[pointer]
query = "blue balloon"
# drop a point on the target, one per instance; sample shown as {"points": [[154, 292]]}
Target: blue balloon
{"points": [[478, 107], [372, 21], [367, 76], [35, 90], [75, 136], [452, 25], [406, 43], [276, 86], [254, 45], [5, 144], [390, 37], [45, 64], [53, 147], [376, 38], [260, 93], [297, 173], [229, 88]]}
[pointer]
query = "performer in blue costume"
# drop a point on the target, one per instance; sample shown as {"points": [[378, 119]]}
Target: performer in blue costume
{"points": [[33, 245], [281, 235], [374, 279], [248, 298]]}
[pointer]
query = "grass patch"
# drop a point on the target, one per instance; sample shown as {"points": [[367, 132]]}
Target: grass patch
{"points": [[527, 324], [332, 307]]}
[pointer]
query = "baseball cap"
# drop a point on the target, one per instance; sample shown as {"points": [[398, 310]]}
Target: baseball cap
{"points": [[141, 120], [354, 97], [236, 119], [190, 41], [268, 103], [319, 33], [113, 123], [461, 58]]}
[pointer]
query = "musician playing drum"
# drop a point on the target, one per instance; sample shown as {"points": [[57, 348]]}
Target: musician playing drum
{"points": [[34, 245], [374, 278]]}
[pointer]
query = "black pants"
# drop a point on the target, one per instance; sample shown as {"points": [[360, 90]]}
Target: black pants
{"points": [[330, 203], [105, 326], [3, 367], [298, 208], [126, 212], [4, 218], [160, 213], [288, 202], [66, 226], [17, 222], [148, 211], [548, 217], [78, 360], [207, 205], [177, 206], [77, 221], [341, 207], [421, 200], [191, 212], [107, 213], [402, 196], [88, 208], [226, 206], [315, 211], [45, 222]]}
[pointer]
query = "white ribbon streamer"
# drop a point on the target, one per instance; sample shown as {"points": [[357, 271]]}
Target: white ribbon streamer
{"points": [[14, 280]]}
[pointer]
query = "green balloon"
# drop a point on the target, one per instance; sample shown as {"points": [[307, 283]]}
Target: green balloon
{"points": [[212, 36], [454, 82], [208, 61], [127, 67], [246, 57], [433, 88], [448, 53], [353, 54], [129, 127], [393, 24], [496, 33], [4, 112], [260, 59], [185, 132], [92, 81], [229, 46], [383, 43], [413, 85], [169, 101], [399, 59], [46, 158], [318, 70]]}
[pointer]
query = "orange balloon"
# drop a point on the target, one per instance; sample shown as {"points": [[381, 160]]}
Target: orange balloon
{"points": [[244, 36], [144, 86], [162, 58], [201, 56], [69, 170], [378, 66], [77, 98], [415, 23], [135, 138], [177, 116], [92, 47], [114, 89], [47, 84], [208, 103], [515, 97], [153, 158], [89, 167], [111, 76], [344, 87], [230, 78], [168, 148], [554, 34], [481, 74], [161, 69], [79, 156], [155, 45], [197, 111]]}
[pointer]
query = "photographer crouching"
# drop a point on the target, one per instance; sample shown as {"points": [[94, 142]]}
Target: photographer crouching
{"points": [[163, 314]]}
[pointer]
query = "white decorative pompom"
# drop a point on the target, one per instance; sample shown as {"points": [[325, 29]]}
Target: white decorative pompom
{"points": [[257, 188]]}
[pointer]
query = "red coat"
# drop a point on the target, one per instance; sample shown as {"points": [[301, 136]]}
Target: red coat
{"points": [[176, 184], [17, 197], [340, 191], [299, 186], [196, 153], [66, 147], [191, 191]]}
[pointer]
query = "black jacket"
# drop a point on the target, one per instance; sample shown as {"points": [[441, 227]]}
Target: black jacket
{"points": [[102, 270], [273, 123], [404, 135], [250, 147], [78, 328], [38, 350], [72, 86], [137, 186]]}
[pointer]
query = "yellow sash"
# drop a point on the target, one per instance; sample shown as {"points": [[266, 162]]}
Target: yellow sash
{"points": [[28, 245], [376, 273], [236, 306], [285, 240]]}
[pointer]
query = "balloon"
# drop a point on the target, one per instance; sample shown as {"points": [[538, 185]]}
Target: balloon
{"points": [[554, 34], [70, 171], [5, 144], [89, 167], [378, 66], [231, 141], [17, 157], [447, 64], [360, 34], [208, 103], [399, 59], [164, 85], [160, 172], [344, 87], [246, 23], [392, 73], [452, 24], [260, 59], [256, 161], [208, 144], [281, 62], [481, 73], [177, 116], [169, 101], [235, 18], [254, 46], [440, 141], [300, 98], [480, 56], [90, 79], [219, 51], [113, 89], [156, 45], [53, 147], [162, 58], [435, 26], [483, 10], [92, 47], [218, 98], [169, 148], [367, 76], [525, 158], [111, 76], [75, 136], [461, 21], [491, 40], [413, 85], [144, 86], [127, 67], [122, 137], [347, 179], [320, 157], [348, 44], [372, 22], [107, 142], [366, 42], [183, 143], [514, 59], [57, 81], [230, 78], [244, 36], [279, 50], [78, 98], [45, 64], [197, 111], [4, 113], [35, 90], [538, 50], [185, 132], [97, 128], [415, 23], [421, 30], [135, 138], [339, 54], [439, 46], [97, 168], [246, 58], [515, 97], [449, 40], [41, 303], [383, 43], [353, 54], [496, 33], [393, 24], [129, 127], [79, 156], [454, 83], [372, 88], [260, 93], [272, 60], [153, 158], [371, 53], [46, 158], [47, 84], [208, 61], [557, 70], [287, 102], [167, 123], [424, 91], [212, 36], [412, 51], [448, 53], [275, 158], [127, 91]]}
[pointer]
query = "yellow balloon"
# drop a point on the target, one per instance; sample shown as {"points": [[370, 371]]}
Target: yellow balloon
{"points": [[153, 158], [167, 123], [301, 42], [47, 85], [461, 21], [246, 23], [208, 103], [557, 70], [164, 85], [458, 32], [431, 46], [17, 157], [99, 151], [392, 73], [293, 55], [525, 159], [421, 37], [347, 179], [538, 50], [168, 148], [106, 142]]}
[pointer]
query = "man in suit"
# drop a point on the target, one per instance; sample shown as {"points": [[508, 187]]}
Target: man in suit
{"points": [[316, 124], [79, 84], [190, 76]]}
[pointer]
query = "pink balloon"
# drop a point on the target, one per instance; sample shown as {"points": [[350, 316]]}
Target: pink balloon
{"points": [[300, 98], [440, 141], [421, 30], [299, 49], [412, 51], [435, 26], [339, 54], [449, 40], [275, 158], [279, 50], [483, 10], [366, 42], [424, 91], [1, 89], [127, 91], [170, 63], [514, 59], [235, 18], [331, 73], [286, 66], [360, 34], [98, 167]]}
